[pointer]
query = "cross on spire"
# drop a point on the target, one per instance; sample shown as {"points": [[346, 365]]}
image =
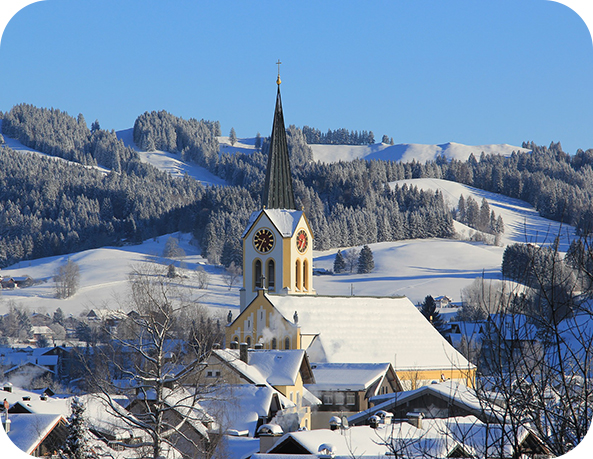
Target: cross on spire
{"points": [[278, 80]]}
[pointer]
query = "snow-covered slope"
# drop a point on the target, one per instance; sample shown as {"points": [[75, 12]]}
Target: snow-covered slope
{"points": [[414, 268], [406, 152], [103, 278], [170, 162]]}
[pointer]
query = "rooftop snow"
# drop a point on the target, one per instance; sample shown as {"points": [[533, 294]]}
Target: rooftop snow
{"points": [[385, 330]]}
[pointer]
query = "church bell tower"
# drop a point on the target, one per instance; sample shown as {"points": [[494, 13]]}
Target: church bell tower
{"points": [[278, 241]]}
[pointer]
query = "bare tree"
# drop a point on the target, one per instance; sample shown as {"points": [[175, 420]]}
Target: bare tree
{"points": [[537, 353], [67, 279], [231, 274], [159, 366]]}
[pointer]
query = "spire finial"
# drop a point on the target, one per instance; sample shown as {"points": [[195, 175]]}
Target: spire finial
{"points": [[278, 81]]}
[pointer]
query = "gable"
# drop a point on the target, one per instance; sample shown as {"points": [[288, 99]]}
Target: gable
{"points": [[285, 222]]}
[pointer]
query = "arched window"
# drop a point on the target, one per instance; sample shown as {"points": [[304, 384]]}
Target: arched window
{"points": [[257, 274], [274, 343], [287, 343], [236, 338], [297, 279], [305, 275], [248, 341], [271, 274]]}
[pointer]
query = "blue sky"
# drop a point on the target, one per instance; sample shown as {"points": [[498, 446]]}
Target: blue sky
{"points": [[422, 71]]}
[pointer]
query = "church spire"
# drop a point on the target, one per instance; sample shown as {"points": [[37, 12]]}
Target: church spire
{"points": [[278, 192]]}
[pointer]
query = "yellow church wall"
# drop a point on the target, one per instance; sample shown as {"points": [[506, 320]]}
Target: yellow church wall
{"points": [[261, 322]]}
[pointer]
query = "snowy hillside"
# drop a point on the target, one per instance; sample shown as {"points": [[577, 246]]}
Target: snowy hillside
{"points": [[170, 162], [406, 152], [414, 268]]}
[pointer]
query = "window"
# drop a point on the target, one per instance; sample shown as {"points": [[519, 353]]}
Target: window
{"points": [[274, 343], [339, 398], [350, 398], [287, 343], [213, 373], [305, 275], [328, 399], [257, 274], [298, 275], [248, 341], [290, 396], [271, 275]]}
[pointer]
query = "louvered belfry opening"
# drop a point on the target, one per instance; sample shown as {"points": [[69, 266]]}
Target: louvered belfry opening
{"points": [[278, 191]]}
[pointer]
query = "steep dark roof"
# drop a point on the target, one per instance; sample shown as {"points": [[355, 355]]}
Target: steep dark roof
{"points": [[278, 192]]}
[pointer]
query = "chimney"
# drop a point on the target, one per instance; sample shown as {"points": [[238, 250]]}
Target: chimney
{"points": [[415, 419], [335, 423], [243, 353], [216, 346], [234, 345], [7, 387], [268, 436], [6, 424], [259, 346]]}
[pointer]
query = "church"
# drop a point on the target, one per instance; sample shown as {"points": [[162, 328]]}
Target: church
{"points": [[280, 309]]}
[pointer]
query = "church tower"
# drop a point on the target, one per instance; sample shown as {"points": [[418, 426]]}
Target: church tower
{"points": [[278, 241]]}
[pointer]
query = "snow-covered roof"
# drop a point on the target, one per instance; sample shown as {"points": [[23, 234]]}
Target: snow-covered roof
{"points": [[453, 392], [284, 220], [384, 330], [239, 406], [27, 431], [280, 368], [346, 376], [463, 436], [266, 366]]}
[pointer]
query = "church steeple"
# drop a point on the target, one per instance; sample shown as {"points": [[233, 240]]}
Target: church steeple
{"points": [[278, 191]]}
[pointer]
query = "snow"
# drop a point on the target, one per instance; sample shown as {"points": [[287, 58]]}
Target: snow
{"points": [[285, 221], [27, 430], [104, 278], [171, 162], [345, 376], [385, 330], [521, 221], [406, 152]]}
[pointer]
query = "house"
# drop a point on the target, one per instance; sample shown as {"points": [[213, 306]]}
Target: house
{"points": [[346, 388], [189, 423], [286, 371], [443, 301], [456, 437], [37, 434], [434, 401]]}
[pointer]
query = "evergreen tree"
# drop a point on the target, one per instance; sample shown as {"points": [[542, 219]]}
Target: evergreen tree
{"points": [[76, 446], [258, 141], [365, 260], [429, 310], [339, 263], [233, 136], [385, 139]]}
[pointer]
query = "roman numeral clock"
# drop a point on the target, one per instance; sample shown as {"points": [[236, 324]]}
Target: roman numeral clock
{"points": [[263, 240]]}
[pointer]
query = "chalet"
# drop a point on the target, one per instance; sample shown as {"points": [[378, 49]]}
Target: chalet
{"points": [[288, 372], [457, 437], [37, 434], [345, 388], [434, 401]]}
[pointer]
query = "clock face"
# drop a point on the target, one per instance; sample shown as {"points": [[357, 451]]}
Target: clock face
{"points": [[263, 240], [302, 241]]}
